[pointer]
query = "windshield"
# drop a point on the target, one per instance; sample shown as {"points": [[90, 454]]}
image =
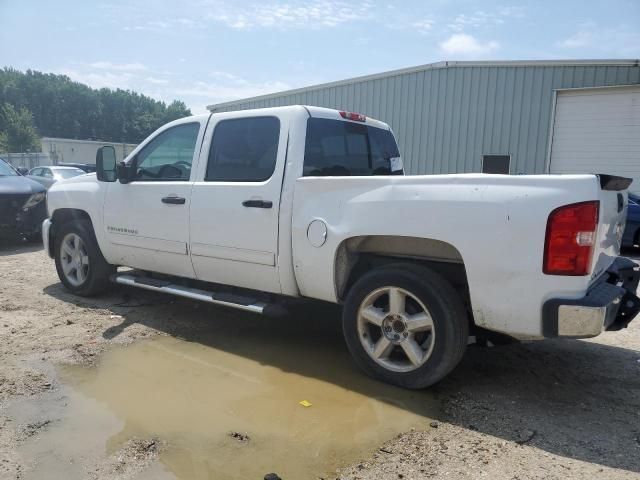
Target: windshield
{"points": [[7, 170], [68, 172]]}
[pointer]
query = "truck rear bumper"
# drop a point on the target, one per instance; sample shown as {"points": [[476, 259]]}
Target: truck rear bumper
{"points": [[610, 304]]}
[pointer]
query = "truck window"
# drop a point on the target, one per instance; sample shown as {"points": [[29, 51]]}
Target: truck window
{"points": [[244, 150], [168, 156], [338, 148]]}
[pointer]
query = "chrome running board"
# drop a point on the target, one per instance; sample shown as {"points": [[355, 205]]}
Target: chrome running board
{"points": [[225, 299]]}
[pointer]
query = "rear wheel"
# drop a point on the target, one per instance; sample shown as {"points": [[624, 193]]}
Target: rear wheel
{"points": [[80, 265], [405, 325]]}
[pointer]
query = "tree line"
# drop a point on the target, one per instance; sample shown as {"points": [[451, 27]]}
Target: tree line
{"points": [[35, 104]]}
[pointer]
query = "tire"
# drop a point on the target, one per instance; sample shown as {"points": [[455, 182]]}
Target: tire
{"points": [[87, 259], [434, 320]]}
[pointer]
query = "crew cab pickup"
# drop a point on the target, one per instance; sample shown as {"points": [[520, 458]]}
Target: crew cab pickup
{"points": [[244, 209]]}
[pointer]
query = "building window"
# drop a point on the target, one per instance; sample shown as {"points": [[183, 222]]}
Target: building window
{"points": [[496, 164]]}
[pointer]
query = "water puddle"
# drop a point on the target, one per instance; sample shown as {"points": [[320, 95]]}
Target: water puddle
{"points": [[193, 394]]}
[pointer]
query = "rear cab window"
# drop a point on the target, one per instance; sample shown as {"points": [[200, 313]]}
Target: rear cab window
{"points": [[342, 148]]}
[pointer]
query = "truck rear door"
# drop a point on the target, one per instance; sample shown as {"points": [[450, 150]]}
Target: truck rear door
{"points": [[236, 200]]}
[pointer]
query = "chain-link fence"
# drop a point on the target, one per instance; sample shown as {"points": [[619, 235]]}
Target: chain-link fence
{"points": [[27, 160]]}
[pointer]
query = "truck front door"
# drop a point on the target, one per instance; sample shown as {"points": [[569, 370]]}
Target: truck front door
{"points": [[146, 221], [236, 201]]}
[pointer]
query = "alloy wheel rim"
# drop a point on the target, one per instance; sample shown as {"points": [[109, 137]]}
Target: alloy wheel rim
{"points": [[396, 329], [74, 259]]}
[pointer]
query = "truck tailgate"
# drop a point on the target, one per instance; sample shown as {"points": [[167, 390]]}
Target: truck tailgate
{"points": [[612, 195]]}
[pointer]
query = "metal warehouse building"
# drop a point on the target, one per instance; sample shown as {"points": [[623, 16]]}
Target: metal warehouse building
{"points": [[497, 117]]}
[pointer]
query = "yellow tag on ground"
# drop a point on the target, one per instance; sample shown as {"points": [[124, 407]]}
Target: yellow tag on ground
{"points": [[305, 403]]}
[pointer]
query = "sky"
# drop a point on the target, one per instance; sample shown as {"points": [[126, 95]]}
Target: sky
{"points": [[212, 51]]}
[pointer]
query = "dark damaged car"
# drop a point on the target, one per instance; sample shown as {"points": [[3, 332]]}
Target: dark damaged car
{"points": [[631, 237], [22, 204]]}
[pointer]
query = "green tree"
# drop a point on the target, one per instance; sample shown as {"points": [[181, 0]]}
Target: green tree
{"points": [[68, 109], [19, 132], [175, 110], [4, 143]]}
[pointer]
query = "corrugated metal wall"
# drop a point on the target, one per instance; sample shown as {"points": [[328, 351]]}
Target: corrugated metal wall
{"points": [[447, 118]]}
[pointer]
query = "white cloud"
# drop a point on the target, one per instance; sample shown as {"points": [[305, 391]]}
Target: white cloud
{"points": [[596, 40], [480, 18], [226, 76], [297, 14], [167, 25], [223, 90], [120, 67], [474, 20], [466, 45], [514, 12], [187, 22], [98, 79], [157, 81], [580, 39], [362, 41], [423, 26], [166, 86], [159, 24], [103, 74]]}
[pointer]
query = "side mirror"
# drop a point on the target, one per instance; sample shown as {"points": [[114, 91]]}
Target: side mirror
{"points": [[23, 171], [106, 164]]}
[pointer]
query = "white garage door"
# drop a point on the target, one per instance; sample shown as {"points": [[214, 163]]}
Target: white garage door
{"points": [[598, 131]]}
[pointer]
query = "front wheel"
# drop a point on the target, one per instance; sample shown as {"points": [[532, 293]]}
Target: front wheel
{"points": [[405, 325], [81, 267]]}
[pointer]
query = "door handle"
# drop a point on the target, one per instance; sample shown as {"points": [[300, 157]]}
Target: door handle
{"points": [[258, 203], [174, 200]]}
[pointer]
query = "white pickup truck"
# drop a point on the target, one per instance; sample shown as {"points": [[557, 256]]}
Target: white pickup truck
{"points": [[244, 209]]}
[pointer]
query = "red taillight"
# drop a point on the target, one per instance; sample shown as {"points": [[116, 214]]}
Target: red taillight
{"points": [[356, 117], [571, 236]]}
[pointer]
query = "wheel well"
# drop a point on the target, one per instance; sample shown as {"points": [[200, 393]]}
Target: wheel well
{"points": [[62, 216], [358, 255]]}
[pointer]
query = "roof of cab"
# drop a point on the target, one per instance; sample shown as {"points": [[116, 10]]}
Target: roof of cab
{"points": [[321, 112], [316, 112]]}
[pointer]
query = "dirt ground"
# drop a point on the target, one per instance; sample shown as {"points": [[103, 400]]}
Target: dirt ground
{"points": [[552, 410]]}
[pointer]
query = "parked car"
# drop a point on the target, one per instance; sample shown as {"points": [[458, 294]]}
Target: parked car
{"points": [[87, 167], [22, 205], [631, 235], [243, 209], [47, 176]]}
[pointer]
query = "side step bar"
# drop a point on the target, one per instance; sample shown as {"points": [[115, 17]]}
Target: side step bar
{"points": [[219, 298]]}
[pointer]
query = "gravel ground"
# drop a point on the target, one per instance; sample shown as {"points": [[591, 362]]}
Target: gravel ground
{"points": [[554, 409]]}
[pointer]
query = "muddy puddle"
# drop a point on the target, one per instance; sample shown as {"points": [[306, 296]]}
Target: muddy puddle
{"points": [[191, 396]]}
